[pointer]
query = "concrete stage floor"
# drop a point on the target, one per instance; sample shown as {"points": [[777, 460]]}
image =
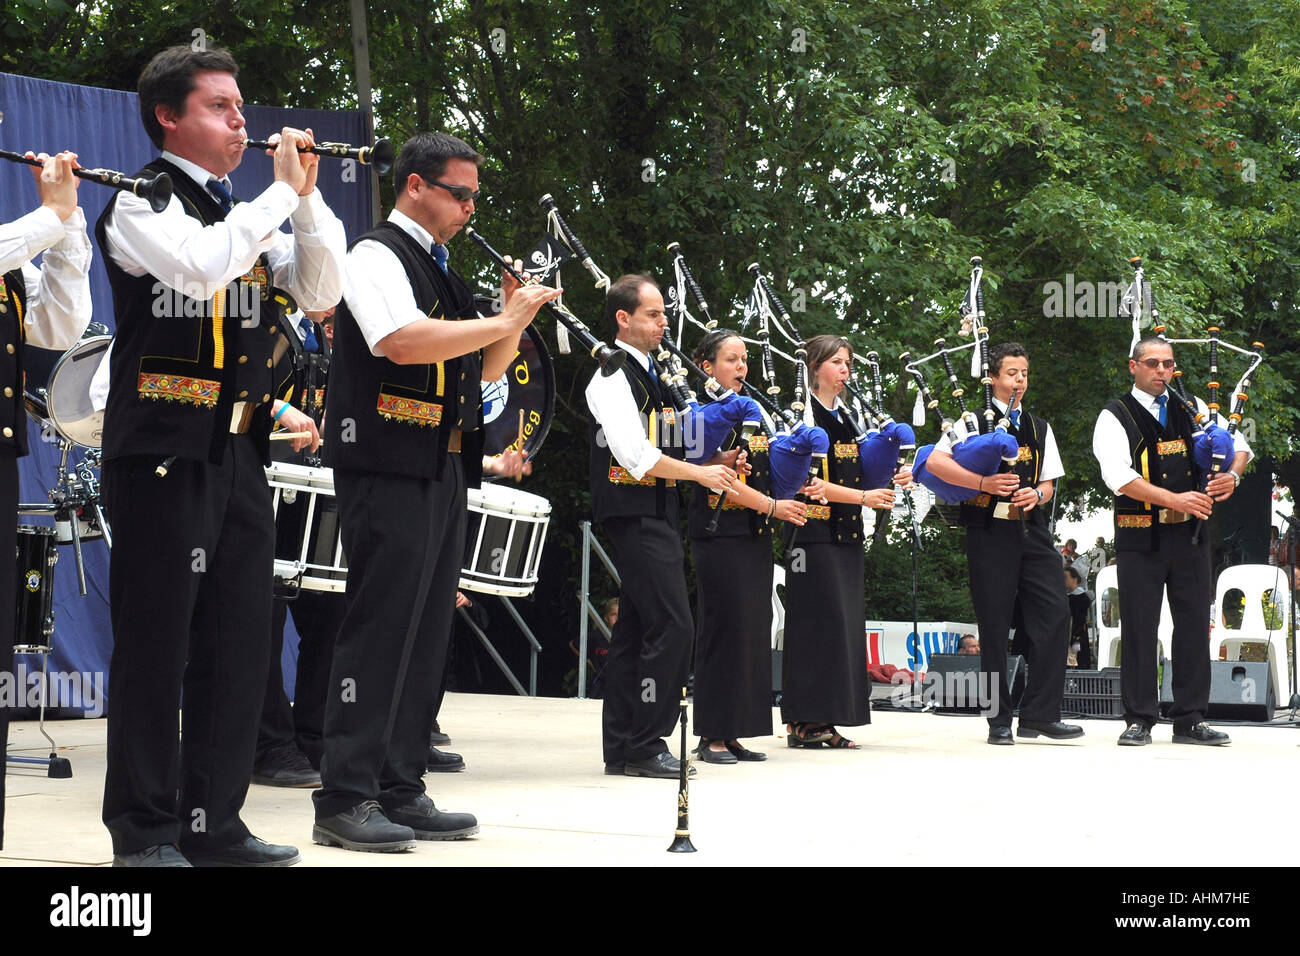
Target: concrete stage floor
{"points": [[924, 789]]}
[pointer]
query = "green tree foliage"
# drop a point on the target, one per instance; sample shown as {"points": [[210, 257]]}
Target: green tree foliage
{"points": [[861, 152]]}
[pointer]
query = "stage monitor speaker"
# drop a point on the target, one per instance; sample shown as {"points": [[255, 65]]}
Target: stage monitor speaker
{"points": [[952, 681], [1239, 690]]}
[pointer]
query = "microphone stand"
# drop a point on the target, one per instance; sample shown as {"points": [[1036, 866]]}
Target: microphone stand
{"points": [[1291, 534]]}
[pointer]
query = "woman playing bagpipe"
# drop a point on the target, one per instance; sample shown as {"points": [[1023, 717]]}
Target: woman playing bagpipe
{"points": [[733, 665], [824, 675]]}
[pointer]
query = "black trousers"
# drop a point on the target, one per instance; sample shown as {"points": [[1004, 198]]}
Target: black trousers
{"points": [[190, 595], [405, 541], [651, 646], [317, 616], [1184, 569], [8, 601], [1007, 563]]}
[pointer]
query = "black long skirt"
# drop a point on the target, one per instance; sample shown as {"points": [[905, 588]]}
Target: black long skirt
{"points": [[824, 673], [733, 643]]}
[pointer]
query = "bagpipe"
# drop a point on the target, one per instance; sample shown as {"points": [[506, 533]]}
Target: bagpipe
{"points": [[1212, 444], [979, 443], [704, 425]]}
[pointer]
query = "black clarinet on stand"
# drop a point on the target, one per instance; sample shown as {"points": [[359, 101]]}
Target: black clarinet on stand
{"points": [[682, 835]]}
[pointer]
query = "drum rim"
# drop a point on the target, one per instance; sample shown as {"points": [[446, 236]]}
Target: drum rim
{"points": [[507, 494], [86, 345]]}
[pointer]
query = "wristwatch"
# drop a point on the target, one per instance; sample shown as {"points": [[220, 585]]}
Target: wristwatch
{"points": [[1039, 492], [1236, 478]]}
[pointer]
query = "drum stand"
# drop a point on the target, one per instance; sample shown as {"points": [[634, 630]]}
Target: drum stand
{"points": [[57, 767], [73, 500]]}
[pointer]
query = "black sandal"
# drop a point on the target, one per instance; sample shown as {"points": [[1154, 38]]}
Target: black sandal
{"points": [[807, 735]]}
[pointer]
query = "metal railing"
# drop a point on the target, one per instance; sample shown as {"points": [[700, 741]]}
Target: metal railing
{"points": [[587, 610]]}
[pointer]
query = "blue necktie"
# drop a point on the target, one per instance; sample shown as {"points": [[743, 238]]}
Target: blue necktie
{"points": [[1164, 412], [308, 336], [1015, 418], [439, 252], [221, 194]]}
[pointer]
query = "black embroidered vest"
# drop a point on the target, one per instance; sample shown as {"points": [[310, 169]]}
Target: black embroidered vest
{"points": [[180, 363], [398, 419], [614, 492], [1162, 456]]}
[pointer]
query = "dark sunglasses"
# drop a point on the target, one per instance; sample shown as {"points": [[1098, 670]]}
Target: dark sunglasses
{"points": [[458, 193], [1154, 363]]}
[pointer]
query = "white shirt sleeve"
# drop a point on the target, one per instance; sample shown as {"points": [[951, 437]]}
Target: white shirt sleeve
{"points": [[378, 292], [1052, 466], [198, 260], [58, 293], [1110, 448], [611, 403]]}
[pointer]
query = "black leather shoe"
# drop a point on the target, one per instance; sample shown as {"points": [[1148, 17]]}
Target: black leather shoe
{"points": [[430, 823], [1001, 736], [744, 753], [1135, 735], [614, 770], [1201, 734], [286, 767], [250, 852], [437, 738], [363, 828], [161, 854], [714, 756], [440, 761], [662, 765], [1056, 730]]}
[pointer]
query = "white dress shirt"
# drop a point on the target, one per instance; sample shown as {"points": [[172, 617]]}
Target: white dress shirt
{"points": [[1051, 467], [58, 306], [198, 260], [615, 410], [1110, 441], [376, 289]]}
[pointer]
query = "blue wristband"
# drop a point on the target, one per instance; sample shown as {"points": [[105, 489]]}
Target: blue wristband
{"points": [[279, 413]]}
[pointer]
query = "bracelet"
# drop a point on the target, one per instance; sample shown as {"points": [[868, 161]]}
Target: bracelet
{"points": [[771, 511], [864, 498], [981, 484], [279, 413]]}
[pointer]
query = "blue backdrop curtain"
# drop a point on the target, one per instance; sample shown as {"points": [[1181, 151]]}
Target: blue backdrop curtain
{"points": [[103, 127]]}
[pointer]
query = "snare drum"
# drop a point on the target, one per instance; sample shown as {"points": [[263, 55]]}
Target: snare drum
{"points": [[68, 394], [308, 546], [503, 542], [34, 621]]}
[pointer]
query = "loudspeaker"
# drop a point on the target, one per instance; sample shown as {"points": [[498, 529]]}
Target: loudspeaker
{"points": [[1239, 690], [952, 682]]}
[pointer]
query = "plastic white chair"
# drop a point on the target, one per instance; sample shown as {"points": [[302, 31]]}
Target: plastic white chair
{"points": [[1108, 636], [1254, 581]]}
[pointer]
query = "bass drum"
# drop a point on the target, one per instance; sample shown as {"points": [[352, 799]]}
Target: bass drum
{"points": [[68, 393], [528, 387]]}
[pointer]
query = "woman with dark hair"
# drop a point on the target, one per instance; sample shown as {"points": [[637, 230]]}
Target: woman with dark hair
{"points": [[733, 659], [824, 677]]}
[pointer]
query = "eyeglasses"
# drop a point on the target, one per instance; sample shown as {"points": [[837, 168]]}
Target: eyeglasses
{"points": [[1155, 363], [458, 193]]}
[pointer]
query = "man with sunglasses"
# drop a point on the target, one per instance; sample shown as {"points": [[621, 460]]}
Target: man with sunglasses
{"points": [[403, 417], [1143, 442]]}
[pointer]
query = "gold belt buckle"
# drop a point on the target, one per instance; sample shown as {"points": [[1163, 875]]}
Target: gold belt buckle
{"points": [[1006, 511], [453, 442], [241, 416], [1169, 516]]}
